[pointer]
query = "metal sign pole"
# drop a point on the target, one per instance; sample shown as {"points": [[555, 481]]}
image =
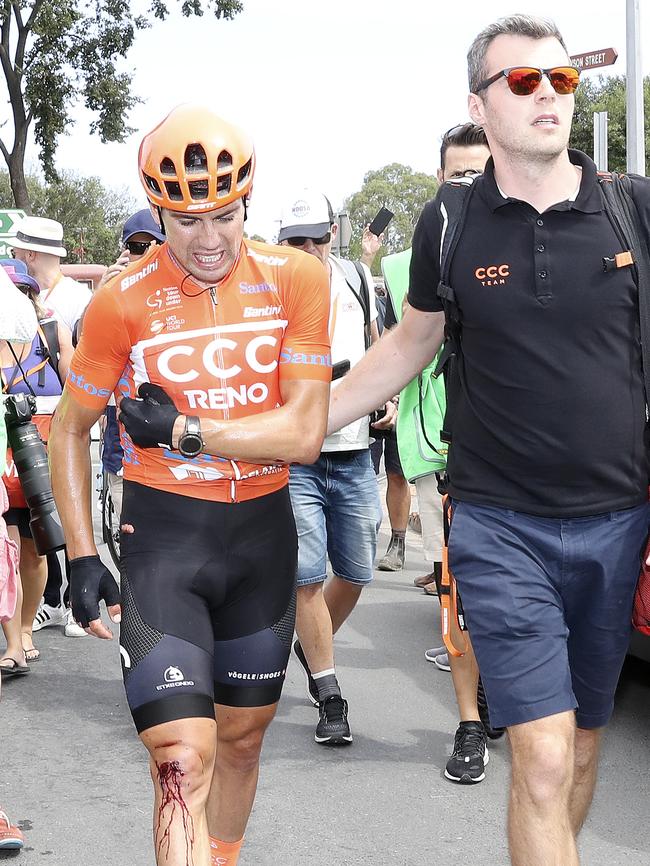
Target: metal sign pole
{"points": [[634, 123], [600, 140]]}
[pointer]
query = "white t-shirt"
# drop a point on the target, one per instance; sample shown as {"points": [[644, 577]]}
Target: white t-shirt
{"points": [[67, 299], [347, 337]]}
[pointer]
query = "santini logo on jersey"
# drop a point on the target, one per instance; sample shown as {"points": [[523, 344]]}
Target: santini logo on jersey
{"points": [[256, 288], [129, 281], [288, 356], [274, 261], [257, 312]]}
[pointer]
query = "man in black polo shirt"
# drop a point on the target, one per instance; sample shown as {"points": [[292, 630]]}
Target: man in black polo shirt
{"points": [[548, 467]]}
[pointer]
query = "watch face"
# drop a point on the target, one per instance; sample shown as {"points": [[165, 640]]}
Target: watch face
{"points": [[190, 445]]}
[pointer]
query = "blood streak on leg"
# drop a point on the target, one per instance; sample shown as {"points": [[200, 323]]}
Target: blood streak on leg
{"points": [[170, 779]]}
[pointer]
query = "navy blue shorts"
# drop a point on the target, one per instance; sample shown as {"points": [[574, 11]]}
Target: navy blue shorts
{"points": [[548, 604]]}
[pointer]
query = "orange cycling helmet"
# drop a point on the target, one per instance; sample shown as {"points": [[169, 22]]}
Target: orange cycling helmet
{"points": [[194, 161]]}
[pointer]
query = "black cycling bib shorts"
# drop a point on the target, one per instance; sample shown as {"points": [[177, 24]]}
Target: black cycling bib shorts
{"points": [[208, 602]]}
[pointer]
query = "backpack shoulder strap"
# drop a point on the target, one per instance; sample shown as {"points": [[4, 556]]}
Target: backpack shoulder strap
{"points": [[356, 280], [453, 200], [49, 337], [624, 216]]}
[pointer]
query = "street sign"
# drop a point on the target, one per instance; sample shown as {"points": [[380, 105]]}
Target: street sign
{"points": [[594, 59], [8, 221]]}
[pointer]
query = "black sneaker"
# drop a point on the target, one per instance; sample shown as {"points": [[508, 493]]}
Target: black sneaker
{"points": [[312, 688], [333, 728], [470, 756], [484, 714]]}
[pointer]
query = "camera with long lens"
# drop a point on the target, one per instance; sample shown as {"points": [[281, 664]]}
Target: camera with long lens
{"points": [[30, 458]]}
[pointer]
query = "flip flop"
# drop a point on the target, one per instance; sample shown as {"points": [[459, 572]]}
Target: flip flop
{"points": [[12, 670], [32, 655]]}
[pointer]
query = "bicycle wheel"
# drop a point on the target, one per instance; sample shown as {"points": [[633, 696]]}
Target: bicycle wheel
{"points": [[110, 522]]}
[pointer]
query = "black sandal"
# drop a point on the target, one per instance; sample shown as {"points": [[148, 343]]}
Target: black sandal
{"points": [[13, 670]]}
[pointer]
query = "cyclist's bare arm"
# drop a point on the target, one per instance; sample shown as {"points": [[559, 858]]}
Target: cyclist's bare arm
{"points": [[387, 367], [292, 433], [69, 448]]}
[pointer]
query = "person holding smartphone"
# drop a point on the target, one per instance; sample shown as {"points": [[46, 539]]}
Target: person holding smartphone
{"points": [[335, 499]]}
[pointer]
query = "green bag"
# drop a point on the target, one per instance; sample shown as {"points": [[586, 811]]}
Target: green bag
{"points": [[422, 402]]}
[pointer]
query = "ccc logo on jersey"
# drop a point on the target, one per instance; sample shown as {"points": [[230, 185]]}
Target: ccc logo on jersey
{"points": [[219, 358], [493, 275]]}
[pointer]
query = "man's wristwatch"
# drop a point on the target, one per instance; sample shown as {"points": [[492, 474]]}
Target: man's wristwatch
{"points": [[190, 443]]}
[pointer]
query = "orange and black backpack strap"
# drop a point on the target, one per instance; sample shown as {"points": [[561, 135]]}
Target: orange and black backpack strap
{"points": [[451, 609]]}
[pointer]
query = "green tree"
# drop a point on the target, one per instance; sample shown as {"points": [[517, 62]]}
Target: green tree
{"points": [[607, 94], [401, 190], [56, 54], [91, 214]]}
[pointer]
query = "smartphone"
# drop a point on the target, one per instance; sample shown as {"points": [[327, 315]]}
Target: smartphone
{"points": [[380, 222]]}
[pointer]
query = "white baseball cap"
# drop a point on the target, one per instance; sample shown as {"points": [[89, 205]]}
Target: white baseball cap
{"points": [[307, 214], [40, 235]]}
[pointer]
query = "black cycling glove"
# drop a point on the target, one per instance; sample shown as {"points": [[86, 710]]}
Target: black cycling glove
{"points": [[149, 421], [90, 581]]}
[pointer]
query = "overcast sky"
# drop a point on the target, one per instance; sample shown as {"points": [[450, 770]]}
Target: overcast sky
{"points": [[329, 90]]}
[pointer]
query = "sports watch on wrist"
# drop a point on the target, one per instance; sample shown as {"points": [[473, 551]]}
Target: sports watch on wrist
{"points": [[190, 443]]}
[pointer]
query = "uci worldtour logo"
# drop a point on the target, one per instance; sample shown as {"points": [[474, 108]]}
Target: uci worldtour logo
{"points": [[174, 677], [493, 275]]}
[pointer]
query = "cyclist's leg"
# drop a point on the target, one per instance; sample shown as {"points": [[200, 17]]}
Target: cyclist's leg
{"points": [[181, 757], [253, 631], [166, 644]]}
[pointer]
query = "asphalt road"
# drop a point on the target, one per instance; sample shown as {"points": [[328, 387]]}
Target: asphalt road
{"points": [[75, 777]]}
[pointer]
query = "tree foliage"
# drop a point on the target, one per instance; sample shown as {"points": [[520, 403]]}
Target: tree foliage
{"points": [[402, 191], [58, 54], [607, 94], [91, 214]]}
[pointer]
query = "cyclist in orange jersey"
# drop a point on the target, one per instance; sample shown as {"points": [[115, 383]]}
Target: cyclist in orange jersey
{"points": [[217, 351]]}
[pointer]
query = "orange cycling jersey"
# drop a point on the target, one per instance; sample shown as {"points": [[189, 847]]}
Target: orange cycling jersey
{"points": [[221, 353]]}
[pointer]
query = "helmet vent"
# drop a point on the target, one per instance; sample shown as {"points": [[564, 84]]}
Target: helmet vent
{"points": [[198, 189], [196, 160], [223, 185], [224, 161], [167, 167], [244, 173], [174, 190], [152, 183]]}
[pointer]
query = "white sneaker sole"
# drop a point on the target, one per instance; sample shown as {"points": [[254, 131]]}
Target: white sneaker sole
{"points": [[333, 741], [466, 779]]}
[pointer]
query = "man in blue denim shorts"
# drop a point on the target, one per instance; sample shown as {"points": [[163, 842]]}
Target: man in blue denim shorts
{"points": [[548, 465], [335, 500]]}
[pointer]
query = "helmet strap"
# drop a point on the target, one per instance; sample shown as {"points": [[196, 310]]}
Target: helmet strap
{"points": [[160, 220]]}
